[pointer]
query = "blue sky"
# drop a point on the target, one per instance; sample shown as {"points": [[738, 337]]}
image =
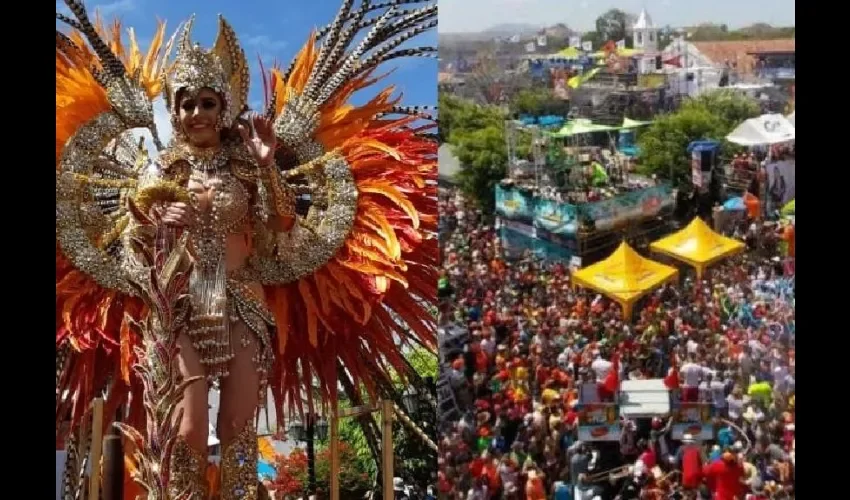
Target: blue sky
{"points": [[475, 15], [268, 29]]}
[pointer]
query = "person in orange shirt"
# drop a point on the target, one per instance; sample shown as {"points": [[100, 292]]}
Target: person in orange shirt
{"points": [[497, 266], [789, 237], [753, 206]]}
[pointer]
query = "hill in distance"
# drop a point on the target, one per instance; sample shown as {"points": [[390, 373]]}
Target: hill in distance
{"points": [[499, 31]]}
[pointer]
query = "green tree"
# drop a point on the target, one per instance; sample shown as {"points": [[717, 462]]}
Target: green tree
{"points": [[476, 134], [538, 102], [710, 116], [462, 115], [593, 37], [709, 32], [416, 462], [664, 145], [424, 362], [613, 26], [355, 477], [351, 434], [292, 472], [730, 106], [483, 158]]}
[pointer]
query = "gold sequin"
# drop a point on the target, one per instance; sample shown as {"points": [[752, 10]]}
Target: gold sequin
{"points": [[187, 472], [239, 466], [74, 206], [307, 246], [194, 69]]}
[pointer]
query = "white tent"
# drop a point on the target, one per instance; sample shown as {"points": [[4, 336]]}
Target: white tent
{"points": [[793, 118], [762, 131]]}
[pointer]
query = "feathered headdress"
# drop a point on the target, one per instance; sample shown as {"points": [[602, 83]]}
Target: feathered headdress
{"points": [[223, 69]]}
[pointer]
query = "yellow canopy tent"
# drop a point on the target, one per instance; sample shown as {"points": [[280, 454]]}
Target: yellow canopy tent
{"points": [[625, 276], [570, 53], [620, 52], [697, 245]]}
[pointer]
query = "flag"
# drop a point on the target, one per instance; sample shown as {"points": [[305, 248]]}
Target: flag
{"points": [[575, 42], [576, 81], [612, 380], [673, 61], [541, 40], [587, 46], [671, 381], [529, 47], [621, 44]]}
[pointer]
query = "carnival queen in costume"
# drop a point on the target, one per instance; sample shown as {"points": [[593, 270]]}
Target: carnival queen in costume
{"points": [[279, 293]]}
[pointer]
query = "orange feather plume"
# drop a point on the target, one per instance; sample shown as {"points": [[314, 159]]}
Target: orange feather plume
{"points": [[355, 312], [372, 296], [93, 321]]}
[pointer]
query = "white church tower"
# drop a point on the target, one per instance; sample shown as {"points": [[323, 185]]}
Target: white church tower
{"points": [[646, 41]]}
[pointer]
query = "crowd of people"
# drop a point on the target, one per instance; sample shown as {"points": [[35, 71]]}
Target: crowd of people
{"points": [[725, 339]]}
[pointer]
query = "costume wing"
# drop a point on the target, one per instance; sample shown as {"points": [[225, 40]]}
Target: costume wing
{"points": [[356, 277], [102, 91]]}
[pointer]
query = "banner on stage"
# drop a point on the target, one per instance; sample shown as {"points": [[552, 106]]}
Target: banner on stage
{"points": [[514, 204], [557, 218], [560, 220], [694, 419], [599, 422], [633, 205]]}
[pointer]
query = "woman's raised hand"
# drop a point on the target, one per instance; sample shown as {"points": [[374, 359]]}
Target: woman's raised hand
{"points": [[259, 138]]}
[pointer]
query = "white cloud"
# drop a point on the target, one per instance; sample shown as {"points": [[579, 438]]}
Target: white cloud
{"points": [[162, 119], [117, 7], [264, 43]]}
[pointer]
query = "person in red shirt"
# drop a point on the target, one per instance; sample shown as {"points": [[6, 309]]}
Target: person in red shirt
{"points": [[689, 459], [647, 457], [534, 489], [725, 477]]}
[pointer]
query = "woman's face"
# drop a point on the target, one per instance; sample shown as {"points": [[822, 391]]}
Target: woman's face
{"points": [[199, 114]]}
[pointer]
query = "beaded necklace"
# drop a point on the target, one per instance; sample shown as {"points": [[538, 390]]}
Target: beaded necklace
{"points": [[210, 322]]}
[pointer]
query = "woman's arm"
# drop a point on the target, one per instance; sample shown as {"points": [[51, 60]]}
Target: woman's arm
{"points": [[278, 199]]}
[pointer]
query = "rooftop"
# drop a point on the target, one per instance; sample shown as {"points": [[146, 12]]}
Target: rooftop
{"points": [[741, 51]]}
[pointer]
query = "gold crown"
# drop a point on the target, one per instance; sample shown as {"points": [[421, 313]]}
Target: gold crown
{"points": [[223, 69]]}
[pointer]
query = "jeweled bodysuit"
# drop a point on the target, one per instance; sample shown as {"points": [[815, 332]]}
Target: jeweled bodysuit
{"points": [[222, 202]]}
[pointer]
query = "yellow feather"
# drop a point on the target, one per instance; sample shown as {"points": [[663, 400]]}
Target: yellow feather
{"points": [[389, 191], [376, 221]]}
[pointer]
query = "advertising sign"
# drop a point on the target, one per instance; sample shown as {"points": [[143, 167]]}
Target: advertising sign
{"points": [[557, 218], [599, 422], [514, 204], [634, 205], [694, 419]]}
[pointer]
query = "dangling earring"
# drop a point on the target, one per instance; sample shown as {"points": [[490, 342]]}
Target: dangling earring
{"points": [[177, 129], [219, 123]]}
